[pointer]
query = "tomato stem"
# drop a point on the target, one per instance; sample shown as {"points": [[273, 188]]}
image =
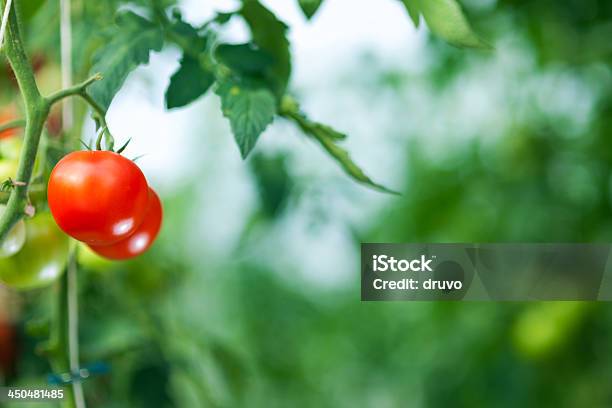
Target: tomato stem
{"points": [[37, 111]]}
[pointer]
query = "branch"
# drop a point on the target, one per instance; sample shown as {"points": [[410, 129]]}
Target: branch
{"points": [[80, 90], [77, 90]]}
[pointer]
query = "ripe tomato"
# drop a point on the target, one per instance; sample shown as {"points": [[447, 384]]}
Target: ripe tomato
{"points": [[142, 239], [42, 259], [15, 239], [97, 197]]}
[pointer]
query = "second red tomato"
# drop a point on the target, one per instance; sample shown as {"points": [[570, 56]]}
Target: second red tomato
{"points": [[141, 240]]}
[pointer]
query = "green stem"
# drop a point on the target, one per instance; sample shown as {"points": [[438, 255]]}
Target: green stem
{"points": [[76, 90], [99, 115], [37, 110], [58, 343]]}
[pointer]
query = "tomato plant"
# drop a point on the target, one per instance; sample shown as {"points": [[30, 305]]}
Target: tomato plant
{"points": [[142, 239], [97, 197], [41, 260]]}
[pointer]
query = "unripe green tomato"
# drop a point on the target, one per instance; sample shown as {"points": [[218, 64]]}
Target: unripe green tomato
{"points": [[11, 148], [8, 169], [42, 259], [15, 239], [90, 260]]}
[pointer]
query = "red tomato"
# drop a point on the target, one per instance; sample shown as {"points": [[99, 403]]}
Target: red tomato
{"points": [[139, 242], [97, 197]]}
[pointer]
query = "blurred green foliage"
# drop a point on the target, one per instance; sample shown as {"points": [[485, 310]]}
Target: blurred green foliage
{"points": [[207, 332]]}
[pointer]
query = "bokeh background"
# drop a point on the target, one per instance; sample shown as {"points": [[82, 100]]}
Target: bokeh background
{"points": [[251, 295]]}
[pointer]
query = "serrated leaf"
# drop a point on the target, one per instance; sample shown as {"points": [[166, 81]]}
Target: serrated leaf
{"points": [[446, 19], [188, 83], [185, 29], [128, 48], [270, 35], [310, 7], [327, 137], [244, 58], [249, 109], [344, 159], [412, 7]]}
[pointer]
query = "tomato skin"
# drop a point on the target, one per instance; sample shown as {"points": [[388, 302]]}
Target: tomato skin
{"points": [[42, 259], [97, 197], [139, 242]]}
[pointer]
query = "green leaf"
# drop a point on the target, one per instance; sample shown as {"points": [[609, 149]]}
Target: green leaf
{"points": [[244, 58], [269, 33], [249, 109], [310, 7], [327, 137], [128, 48], [223, 18], [188, 83], [28, 8], [412, 6], [446, 19], [349, 166]]}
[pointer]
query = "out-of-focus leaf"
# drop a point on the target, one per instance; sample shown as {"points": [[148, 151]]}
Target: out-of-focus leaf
{"points": [[412, 6], [274, 182], [249, 109], [188, 83], [28, 8], [129, 47], [446, 19], [150, 385], [222, 18], [244, 58], [269, 33], [310, 7]]}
